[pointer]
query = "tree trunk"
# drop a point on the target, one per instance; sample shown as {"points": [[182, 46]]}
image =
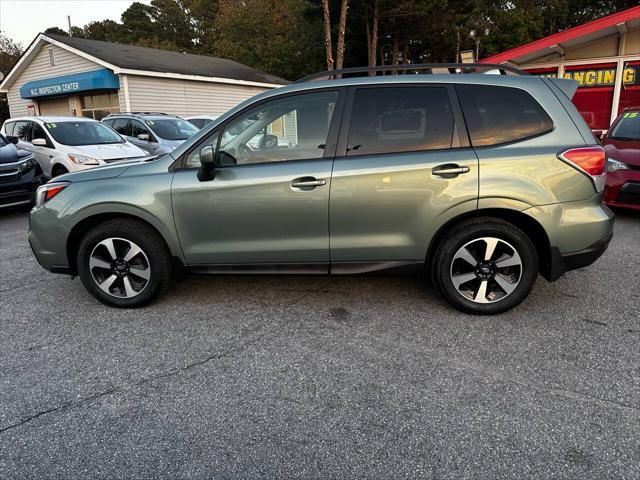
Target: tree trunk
{"points": [[405, 52], [394, 52], [373, 46], [342, 26], [327, 34]]}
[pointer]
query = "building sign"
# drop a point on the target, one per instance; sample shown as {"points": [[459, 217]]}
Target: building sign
{"points": [[593, 77], [604, 77], [54, 89], [103, 79]]}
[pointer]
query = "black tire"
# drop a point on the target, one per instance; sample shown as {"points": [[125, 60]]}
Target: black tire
{"points": [[156, 256], [470, 233], [58, 170]]}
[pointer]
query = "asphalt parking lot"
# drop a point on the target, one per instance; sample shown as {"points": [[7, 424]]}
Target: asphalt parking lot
{"points": [[327, 377]]}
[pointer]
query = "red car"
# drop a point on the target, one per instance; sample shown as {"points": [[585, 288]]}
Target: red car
{"points": [[622, 143]]}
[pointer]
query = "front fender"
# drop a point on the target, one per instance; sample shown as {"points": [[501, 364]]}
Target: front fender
{"points": [[147, 197]]}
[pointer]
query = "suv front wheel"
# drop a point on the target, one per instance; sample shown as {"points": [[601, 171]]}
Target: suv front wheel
{"points": [[124, 263], [485, 266]]}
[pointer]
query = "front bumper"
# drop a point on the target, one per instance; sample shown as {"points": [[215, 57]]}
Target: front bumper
{"points": [[623, 189], [19, 190], [48, 240]]}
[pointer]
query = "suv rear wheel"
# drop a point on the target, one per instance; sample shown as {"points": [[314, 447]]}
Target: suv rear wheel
{"points": [[485, 266], [124, 263]]}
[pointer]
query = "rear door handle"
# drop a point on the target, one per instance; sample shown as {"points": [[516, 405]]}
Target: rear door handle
{"points": [[307, 183], [449, 170]]}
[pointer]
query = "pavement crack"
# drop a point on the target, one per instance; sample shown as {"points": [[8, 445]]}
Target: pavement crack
{"points": [[497, 375], [60, 408], [121, 388]]}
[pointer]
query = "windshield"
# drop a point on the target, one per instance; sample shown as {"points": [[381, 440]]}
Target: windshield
{"points": [[172, 128], [628, 128], [82, 133]]}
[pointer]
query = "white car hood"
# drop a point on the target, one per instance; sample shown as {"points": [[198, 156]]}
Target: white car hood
{"points": [[109, 151]]}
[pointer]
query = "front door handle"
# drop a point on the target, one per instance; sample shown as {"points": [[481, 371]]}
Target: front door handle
{"points": [[449, 170], [307, 183]]}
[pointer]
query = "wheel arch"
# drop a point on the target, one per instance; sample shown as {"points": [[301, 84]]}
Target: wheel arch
{"points": [[530, 226], [87, 223], [58, 166]]}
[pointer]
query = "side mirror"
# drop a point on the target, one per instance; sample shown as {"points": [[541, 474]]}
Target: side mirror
{"points": [[144, 137], [39, 142], [207, 171], [268, 142], [599, 134], [12, 139]]}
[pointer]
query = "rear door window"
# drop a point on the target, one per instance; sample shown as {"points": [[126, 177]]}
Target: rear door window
{"points": [[401, 119], [122, 126], [21, 130], [497, 115]]}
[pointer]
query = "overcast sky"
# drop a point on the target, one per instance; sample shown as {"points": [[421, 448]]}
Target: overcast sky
{"points": [[22, 20]]}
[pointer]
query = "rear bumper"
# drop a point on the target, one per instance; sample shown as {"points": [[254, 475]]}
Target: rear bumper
{"points": [[578, 232], [623, 189], [561, 263]]}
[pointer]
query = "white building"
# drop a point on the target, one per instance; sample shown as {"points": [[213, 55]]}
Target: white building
{"points": [[59, 75]]}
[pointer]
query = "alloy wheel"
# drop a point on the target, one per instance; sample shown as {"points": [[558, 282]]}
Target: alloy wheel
{"points": [[119, 267], [486, 270]]}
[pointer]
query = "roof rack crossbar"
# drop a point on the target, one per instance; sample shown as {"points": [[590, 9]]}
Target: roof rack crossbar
{"points": [[452, 68]]}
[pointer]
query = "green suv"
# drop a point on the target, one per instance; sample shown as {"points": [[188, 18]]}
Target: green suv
{"points": [[482, 180]]}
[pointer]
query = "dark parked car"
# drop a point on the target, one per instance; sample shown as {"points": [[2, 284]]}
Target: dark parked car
{"points": [[622, 143], [20, 174]]}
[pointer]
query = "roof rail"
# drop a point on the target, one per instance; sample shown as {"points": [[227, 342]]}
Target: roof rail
{"points": [[429, 68], [136, 113]]}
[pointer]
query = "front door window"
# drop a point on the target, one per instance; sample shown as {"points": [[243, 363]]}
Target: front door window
{"points": [[292, 128]]}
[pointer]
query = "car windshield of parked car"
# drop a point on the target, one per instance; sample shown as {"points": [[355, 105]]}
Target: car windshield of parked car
{"points": [[172, 128], [628, 128], [82, 133]]}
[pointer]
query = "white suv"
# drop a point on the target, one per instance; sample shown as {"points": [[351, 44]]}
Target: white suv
{"points": [[68, 144]]}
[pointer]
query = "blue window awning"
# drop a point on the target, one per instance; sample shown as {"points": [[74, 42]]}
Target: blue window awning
{"points": [[103, 79]]}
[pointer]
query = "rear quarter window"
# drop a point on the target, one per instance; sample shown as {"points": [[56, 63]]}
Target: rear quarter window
{"points": [[497, 115]]}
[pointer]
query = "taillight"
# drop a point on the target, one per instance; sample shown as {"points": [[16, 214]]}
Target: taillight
{"points": [[48, 191], [591, 160]]}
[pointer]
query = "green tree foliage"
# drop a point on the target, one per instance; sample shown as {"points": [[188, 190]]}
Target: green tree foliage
{"points": [[57, 31], [272, 36], [285, 37], [10, 53]]}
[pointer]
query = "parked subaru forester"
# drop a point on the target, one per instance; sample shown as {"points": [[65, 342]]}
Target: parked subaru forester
{"points": [[483, 180]]}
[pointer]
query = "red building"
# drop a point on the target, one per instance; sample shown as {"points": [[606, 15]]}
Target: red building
{"points": [[603, 56]]}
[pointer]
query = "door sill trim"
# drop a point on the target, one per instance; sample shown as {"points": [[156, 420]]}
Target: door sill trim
{"points": [[263, 269], [336, 268]]}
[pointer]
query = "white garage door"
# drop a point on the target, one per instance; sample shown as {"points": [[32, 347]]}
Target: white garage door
{"points": [[54, 106]]}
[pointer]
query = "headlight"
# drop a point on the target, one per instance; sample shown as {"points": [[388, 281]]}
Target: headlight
{"points": [[27, 165], [82, 160], [614, 165], [48, 191]]}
